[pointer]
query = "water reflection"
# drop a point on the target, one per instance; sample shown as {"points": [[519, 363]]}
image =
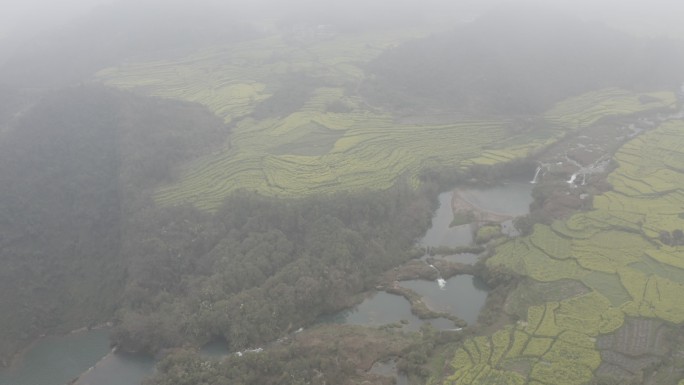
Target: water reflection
{"points": [[440, 232], [58, 360], [383, 308], [119, 369], [462, 296], [511, 198]]}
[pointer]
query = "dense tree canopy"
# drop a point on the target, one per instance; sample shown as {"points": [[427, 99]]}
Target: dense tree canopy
{"points": [[72, 170], [259, 268]]}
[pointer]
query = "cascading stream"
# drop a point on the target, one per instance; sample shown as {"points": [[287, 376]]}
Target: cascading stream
{"points": [[440, 281], [536, 175]]}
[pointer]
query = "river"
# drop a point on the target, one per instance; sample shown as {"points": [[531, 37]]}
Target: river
{"points": [[59, 359], [463, 295], [441, 233], [119, 369], [382, 308]]}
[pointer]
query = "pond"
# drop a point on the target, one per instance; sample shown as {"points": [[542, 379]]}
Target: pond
{"points": [[60, 359], [119, 369], [382, 308], [509, 198], [462, 295]]}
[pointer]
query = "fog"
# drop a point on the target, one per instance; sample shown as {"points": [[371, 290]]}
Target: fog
{"points": [[19, 17], [194, 172]]}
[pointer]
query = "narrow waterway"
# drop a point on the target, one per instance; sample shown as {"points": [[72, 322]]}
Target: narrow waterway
{"points": [[441, 233], [463, 295], [59, 360], [119, 369]]}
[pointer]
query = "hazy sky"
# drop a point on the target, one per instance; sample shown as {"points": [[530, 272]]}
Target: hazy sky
{"points": [[36, 14], [31, 14]]}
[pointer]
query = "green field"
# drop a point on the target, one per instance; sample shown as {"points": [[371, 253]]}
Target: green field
{"points": [[299, 128], [332, 141], [614, 250]]}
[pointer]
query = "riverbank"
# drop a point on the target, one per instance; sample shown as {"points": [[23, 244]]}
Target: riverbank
{"points": [[418, 307], [57, 359], [609, 226], [17, 359], [77, 380]]}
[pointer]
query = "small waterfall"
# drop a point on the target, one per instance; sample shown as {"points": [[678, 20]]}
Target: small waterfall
{"points": [[536, 175], [596, 167], [440, 281]]}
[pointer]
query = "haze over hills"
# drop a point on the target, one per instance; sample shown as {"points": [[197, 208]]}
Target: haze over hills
{"points": [[235, 173], [519, 61], [71, 173], [113, 33]]}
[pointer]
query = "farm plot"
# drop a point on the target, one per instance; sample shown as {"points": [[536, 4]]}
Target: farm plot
{"points": [[587, 109], [638, 344], [316, 135], [635, 280], [534, 352]]}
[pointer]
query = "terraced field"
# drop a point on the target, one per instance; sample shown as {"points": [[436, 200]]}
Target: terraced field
{"points": [[617, 252], [334, 140]]}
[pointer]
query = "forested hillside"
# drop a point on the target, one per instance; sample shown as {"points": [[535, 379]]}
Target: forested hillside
{"points": [[200, 176], [260, 268], [518, 61], [72, 170]]}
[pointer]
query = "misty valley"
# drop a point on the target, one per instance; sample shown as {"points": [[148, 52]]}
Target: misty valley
{"points": [[463, 193]]}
